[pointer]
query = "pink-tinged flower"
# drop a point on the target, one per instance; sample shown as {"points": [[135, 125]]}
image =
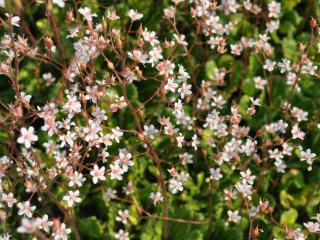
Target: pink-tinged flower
{"points": [[184, 90], [76, 179], [166, 67], [215, 174], [25, 97], [72, 197], [116, 171], [26, 209], [247, 177], [123, 216], [27, 137], [27, 226], [125, 160], [312, 226], [274, 9], [72, 106], [44, 223], [175, 185], [61, 233], [260, 83], [269, 65], [309, 68], [297, 133], [308, 156], [97, 174], [86, 13], [134, 15], [112, 15], [122, 235], [233, 216], [156, 197], [9, 199]]}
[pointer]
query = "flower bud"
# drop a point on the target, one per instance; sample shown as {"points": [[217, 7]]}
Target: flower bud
{"points": [[313, 23]]}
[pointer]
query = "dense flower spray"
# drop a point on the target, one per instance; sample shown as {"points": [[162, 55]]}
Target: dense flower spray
{"points": [[145, 120]]}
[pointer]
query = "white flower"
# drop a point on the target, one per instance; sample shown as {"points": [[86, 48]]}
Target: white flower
{"points": [[122, 216], [285, 65], [26, 209], [312, 226], [184, 90], [116, 171], [5, 236], [150, 131], [233, 216], [171, 85], [72, 198], [116, 134], [86, 13], [269, 65], [280, 166], [72, 106], [175, 185], [155, 55], [61, 233], [110, 194], [299, 114], [60, 3], [25, 97], [195, 142], [156, 197], [112, 15], [44, 223], [9, 199], [215, 174], [14, 20], [244, 189], [27, 137], [274, 9], [247, 177], [48, 78], [76, 179], [67, 138], [125, 160], [307, 156], [122, 235], [180, 140], [259, 82], [135, 15], [98, 174], [309, 68], [297, 133], [27, 226]]}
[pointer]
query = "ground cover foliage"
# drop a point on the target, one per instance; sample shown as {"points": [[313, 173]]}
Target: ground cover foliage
{"points": [[158, 119]]}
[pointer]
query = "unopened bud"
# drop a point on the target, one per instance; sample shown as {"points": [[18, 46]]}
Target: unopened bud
{"points": [[104, 24], [48, 41], [110, 65], [70, 17], [256, 232], [313, 23], [141, 137]]}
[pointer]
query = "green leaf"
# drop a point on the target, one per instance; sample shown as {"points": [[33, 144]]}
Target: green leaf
{"points": [[289, 217], [90, 228], [290, 4], [209, 69], [289, 47], [285, 199]]}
